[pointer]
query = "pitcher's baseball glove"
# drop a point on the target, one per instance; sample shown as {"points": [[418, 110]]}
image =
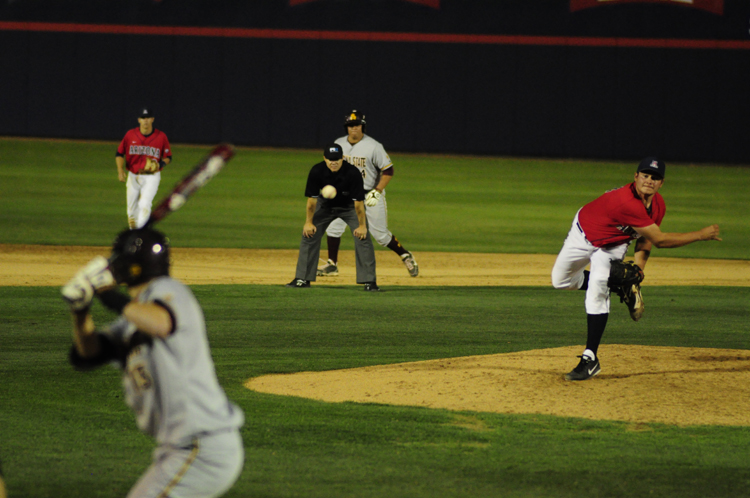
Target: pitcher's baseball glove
{"points": [[624, 273], [625, 279]]}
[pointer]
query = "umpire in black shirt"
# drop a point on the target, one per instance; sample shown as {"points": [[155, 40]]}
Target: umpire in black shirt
{"points": [[348, 204]]}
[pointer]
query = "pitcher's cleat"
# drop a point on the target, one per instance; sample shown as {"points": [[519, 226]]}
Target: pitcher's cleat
{"points": [[635, 303], [585, 370]]}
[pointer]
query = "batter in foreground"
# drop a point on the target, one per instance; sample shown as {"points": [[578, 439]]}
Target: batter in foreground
{"points": [[600, 235], [159, 343]]}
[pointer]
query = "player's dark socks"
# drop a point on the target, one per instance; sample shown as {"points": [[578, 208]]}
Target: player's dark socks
{"points": [[395, 246], [333, 248], [585, 285], [596, 325]]}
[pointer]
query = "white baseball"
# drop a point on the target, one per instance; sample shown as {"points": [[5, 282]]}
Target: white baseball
{"points": [[329, 192]]}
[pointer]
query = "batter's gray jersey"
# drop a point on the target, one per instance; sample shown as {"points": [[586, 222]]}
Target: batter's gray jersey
{"points": [[170, 384], [369, 156]]}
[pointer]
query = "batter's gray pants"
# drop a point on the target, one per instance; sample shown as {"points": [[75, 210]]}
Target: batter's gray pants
{"points": [[207, 468], [309, 248]]}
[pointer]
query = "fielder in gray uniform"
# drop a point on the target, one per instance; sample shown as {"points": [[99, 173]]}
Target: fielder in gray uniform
{"points": [[369, 156], [346, 203], [159, 343]]}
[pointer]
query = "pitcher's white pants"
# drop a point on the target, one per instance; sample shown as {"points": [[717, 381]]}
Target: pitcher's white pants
{"points": [[140, 192], [575, 255]]}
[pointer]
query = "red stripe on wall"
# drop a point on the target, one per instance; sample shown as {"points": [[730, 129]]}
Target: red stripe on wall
{"points": [[435, 4], [120, 29], [713, 6]]}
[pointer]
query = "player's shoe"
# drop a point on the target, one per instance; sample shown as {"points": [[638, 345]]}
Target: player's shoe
{"points": [[585, 370], [371, 287], [298, 283], [410, 264], [328, 270], [635, 303]]}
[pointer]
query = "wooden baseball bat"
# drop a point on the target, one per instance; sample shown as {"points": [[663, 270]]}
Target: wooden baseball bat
{"points": [[197, 178]]}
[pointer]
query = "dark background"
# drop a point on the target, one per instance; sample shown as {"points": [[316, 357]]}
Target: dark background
{"points": [[523, 97]]}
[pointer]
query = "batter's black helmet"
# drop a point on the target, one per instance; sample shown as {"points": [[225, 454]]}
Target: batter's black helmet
{"points": [[355, 118], [139, 255]]}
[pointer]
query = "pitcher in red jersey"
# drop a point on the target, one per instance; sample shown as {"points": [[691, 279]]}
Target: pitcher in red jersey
{"points": [[602, 230]]}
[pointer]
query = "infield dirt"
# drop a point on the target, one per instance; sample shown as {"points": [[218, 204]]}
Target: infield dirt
{"points": [[682, 386]]}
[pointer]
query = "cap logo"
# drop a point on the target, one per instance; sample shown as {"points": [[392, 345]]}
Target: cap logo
{"points": [[135, 270], [333, 149], [654, 164], [353, 117]]}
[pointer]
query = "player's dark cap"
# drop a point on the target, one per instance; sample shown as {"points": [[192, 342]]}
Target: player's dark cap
{"points": [[333, 152], [652, 165], [145, 112], [354, 118]]}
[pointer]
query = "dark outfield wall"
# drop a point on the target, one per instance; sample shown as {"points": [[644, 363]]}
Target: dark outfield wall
{"points": [[515, 95], [615, 18]]}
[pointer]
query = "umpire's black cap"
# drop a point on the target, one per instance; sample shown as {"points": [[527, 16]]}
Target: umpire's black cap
{"points": [[145, 112], [333, 152], [652, 165]]}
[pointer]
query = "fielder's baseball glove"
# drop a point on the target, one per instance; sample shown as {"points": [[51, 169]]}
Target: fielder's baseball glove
{"points": [[625, 279], [151, 166]]}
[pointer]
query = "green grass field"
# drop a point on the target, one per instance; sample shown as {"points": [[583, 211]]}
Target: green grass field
{"points": [[68, 193], [69, 434]]}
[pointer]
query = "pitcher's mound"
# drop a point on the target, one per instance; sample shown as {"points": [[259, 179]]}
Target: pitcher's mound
{"points": [[640, 384]]}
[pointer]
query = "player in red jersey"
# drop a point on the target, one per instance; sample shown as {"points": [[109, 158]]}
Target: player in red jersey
{"points": [[602, 230], [142, 154]]}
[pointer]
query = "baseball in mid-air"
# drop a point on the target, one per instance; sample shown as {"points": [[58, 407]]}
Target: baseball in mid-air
{"points": [[329, 191]]}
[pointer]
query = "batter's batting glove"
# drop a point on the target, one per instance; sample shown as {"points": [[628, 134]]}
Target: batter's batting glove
{"points": [[372, 197], [98, 274], [78, 293]]}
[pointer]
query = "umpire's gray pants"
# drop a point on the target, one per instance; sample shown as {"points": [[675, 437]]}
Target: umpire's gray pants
{"points": [[309, 248]]}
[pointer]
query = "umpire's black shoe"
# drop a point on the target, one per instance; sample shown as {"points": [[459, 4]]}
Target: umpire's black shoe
{"points": [[371, 287], [585, 370], [298, 283]]}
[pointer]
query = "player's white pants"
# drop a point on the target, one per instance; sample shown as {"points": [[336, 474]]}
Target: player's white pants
{"points": [[377, 223], [140, 192], [575, 255], [205, 469]]}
